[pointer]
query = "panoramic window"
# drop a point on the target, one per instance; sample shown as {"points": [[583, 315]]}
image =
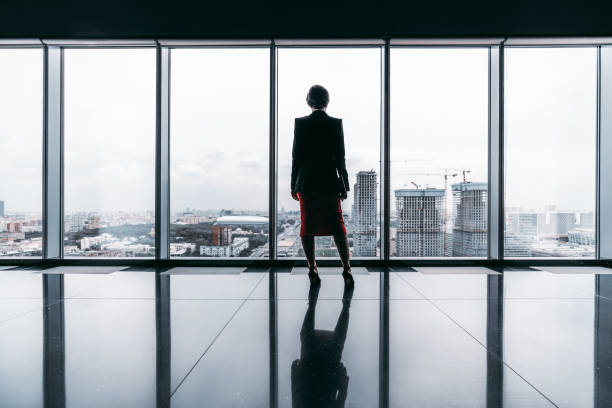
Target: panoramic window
{"points": [[353, 78], [21, 130], [219, 137], [109, 152], [550, 155], [439, 141]]}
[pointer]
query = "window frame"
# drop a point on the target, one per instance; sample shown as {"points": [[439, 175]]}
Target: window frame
{"points": [[355, 44], [584, 42], [494, 164], [53, 143], [165, 48], [16, 44]]}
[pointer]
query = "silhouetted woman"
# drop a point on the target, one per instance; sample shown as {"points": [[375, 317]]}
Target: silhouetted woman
{"points": [[319, 181]]}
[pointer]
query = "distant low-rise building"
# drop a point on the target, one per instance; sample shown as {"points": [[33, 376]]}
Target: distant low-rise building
{"points": [[87, 242], [190, 218], [582, 236], [517, 245], [253, 220], [559, 250], [225, 251], [182, 248]]}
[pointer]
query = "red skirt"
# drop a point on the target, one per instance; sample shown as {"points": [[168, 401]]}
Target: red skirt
{"points": [[321, 214]]}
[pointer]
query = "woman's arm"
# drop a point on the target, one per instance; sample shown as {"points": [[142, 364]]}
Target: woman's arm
{"points": [[340, 161], [294, 159]]}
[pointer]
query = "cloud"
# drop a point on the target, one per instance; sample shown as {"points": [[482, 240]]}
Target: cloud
{"points": [[251, 164]]}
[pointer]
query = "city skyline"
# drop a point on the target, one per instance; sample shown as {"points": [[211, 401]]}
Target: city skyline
{"points": [[459, 231]]}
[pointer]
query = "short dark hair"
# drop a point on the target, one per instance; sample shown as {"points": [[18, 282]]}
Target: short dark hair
{"points": [[317, 97]]}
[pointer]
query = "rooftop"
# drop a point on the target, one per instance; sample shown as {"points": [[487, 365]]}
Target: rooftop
{"points": [[241, 219], [469, 186], [419, 192]]}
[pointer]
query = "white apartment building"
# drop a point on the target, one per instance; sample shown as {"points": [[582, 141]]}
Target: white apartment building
{"points": [[470, 229], [420, 217], [364, 216]]}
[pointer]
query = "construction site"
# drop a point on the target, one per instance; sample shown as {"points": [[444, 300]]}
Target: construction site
{"points": [[435, 222]]}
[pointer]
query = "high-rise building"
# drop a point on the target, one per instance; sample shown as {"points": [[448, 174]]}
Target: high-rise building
{"points": [[221, 235], [522, 223], [420, 222], [563, 222], [587, 220], [470, 229], [521, 230], [556, 223], [1, 208], [364, 215]]}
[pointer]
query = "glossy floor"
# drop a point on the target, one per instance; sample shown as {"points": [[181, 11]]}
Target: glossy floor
{"points": [[202, 337]]}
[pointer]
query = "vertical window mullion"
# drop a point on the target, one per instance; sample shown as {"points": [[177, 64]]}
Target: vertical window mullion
{"points": [[53, 154], [604, 187], [598, 159], [496, 155], [272, 158], [385, 159], [162, 168]]}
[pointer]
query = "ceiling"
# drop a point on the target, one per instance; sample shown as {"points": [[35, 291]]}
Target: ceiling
{"points": [[304, 19]]}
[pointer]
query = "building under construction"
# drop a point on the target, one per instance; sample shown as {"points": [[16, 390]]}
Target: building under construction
{"points": [[364, 214], [420, 217], [470, 219]]}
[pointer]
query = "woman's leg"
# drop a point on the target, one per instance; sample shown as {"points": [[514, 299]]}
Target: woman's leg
{"points": [[343, 249], [341, 241], [308, 243]]}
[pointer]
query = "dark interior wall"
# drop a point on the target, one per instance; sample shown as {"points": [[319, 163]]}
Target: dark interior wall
{"points": [[302, 19]]}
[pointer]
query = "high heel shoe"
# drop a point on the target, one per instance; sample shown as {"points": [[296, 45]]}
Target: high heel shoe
{"points": [[314, 277], [348, 277]]}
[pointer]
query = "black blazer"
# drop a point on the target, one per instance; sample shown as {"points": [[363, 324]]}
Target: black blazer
{"points": [[318, 152]]}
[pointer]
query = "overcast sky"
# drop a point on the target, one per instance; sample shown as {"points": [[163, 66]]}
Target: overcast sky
{"points": [[219, 123], [109, 129], [439, 105], [219, 128], [551, 111], [21, 129]]}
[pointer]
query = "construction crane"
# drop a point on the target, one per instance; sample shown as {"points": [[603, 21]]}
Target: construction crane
{"points": [[446, 175], [464, 172]]}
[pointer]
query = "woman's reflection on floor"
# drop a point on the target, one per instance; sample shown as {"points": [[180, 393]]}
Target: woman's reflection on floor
{"points": [[318, 377]]}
